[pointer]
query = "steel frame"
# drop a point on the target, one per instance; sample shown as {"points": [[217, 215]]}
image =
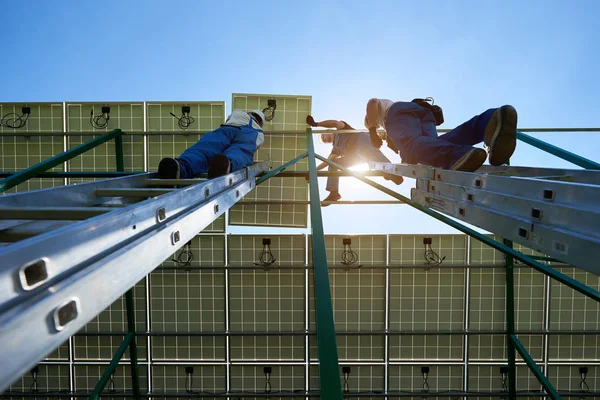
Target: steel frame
{"points": [[328, 358]]}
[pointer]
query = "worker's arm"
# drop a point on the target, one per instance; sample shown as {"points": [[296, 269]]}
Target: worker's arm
{"points": [[372, 114]]}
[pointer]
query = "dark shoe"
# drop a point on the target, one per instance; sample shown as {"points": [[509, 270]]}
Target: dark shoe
{"points": [[500, 135], [310, 120], [333, 196], [219, 166], [397, 179], [169, 168], [471, 161]]}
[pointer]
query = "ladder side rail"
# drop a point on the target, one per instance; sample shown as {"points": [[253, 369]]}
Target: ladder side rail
{"points": [[49, 317], [48, 256], [58, 159], [574, 219], [78, 174], [572, 194]]}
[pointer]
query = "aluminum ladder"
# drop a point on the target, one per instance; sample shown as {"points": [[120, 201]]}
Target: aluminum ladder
{"points": [[553, 211], [69, 252]]}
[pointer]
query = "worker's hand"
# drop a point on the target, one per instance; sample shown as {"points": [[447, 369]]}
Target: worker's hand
{"points": [[375, 139], [310, 120]]}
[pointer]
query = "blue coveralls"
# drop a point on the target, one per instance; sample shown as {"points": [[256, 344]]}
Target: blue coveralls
{"points": [[412, 129], [238, 143], [355, 148]]}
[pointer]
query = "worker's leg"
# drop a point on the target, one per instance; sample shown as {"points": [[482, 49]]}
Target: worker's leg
{"points": [[333, 182], [496, 127], [412, 130], [367, 152], [195, 159], [239, 157], [471, 132]]}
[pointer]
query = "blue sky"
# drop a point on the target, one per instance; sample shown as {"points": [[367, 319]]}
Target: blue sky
{"points": [[540, 56]]}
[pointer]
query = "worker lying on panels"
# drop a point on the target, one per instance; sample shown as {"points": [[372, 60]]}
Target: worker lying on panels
{"points": [[349, 149], [411, 129], [228, 148]]}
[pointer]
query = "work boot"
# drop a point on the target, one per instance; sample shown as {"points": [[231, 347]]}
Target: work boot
{"points": [[169, 168], [310, 120], [219, 165], [333, 196], [470, 161], [500, 135], [397, 179]]}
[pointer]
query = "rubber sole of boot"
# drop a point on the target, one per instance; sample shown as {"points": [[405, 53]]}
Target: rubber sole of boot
{"points": [[501, 138], [471, 161], [219, 165]]}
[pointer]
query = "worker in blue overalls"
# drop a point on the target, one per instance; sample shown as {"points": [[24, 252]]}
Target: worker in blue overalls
{"points": [[411, 128], [349, 149], [227, 149]]}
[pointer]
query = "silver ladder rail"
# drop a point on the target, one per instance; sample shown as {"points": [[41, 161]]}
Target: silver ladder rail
{"points": [[54, 282], [556, 212]]}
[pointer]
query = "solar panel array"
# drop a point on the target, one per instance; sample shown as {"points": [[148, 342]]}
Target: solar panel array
{"points": [[152, 131], [228, 318]]}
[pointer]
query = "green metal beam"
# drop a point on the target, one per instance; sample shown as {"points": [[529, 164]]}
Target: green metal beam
{"points": [[329, 367], [535, 369], [119, 153], [557, 151], [562, 278], [135, 376], [45, 165], [510, 322], [279, 169], [105, 378]]}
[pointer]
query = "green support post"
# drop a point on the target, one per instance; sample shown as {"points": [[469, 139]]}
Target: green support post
{"points": [[329, 367], [535, 369], [135, 376], [104, 379], [558, 152], [119, 153], [52, 162], [510, 321]]}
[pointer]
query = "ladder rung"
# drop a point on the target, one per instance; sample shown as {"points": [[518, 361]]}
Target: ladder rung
{"points": [[131, 192], [173, 182], [30, 229], [53, 213]]}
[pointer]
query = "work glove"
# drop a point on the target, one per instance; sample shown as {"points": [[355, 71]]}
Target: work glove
{"points": [[375, 139], [391, 146], [310, 120]]}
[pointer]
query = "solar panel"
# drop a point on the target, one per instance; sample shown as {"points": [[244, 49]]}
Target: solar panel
{"points": [[89, 120], [290, 115], [168, 137], [23, 147]]}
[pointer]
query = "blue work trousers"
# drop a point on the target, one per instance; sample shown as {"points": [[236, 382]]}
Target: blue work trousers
{"points": [[236, 143], [412, 129], [361, 152]]}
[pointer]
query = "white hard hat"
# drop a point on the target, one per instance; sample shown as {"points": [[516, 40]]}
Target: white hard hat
{"points": [[260, 115]]}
